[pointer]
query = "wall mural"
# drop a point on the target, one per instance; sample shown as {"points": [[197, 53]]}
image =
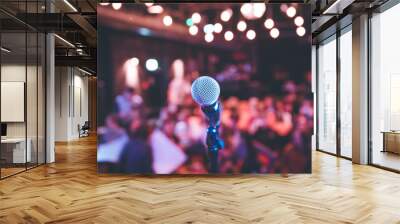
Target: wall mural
{"points": [[204, 88]]}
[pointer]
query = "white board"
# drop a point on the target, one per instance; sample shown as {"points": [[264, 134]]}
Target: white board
{"points": [[12, 101]]}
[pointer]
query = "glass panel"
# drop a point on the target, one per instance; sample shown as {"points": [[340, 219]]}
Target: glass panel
{"points": [[41, 98], [346, 94], [385, 84], [327, 96], [31, 97], [31, 88], [13, 86]]}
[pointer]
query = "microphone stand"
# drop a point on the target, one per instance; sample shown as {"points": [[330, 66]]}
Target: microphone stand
{"points": [[214, 142]]}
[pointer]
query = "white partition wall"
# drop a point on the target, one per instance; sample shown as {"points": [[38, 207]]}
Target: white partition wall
{"points": [[71, 102]]}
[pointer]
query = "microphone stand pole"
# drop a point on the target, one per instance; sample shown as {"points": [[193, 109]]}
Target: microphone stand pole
{"points": [[214, 142]]}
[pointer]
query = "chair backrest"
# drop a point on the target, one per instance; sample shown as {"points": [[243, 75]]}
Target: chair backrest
{"points": [[86, 124]]}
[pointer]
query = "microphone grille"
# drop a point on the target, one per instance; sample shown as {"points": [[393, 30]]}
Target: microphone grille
{"points": [[205, 90]]}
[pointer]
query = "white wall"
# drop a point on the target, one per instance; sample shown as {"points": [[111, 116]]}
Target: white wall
{"points": [[16, 73], [71, 102], [33, 127]]}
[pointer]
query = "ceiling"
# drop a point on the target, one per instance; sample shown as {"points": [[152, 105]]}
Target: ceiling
{"points": [[76, 21]]}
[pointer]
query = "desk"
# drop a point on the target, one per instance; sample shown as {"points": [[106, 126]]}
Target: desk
{"points": [[16, 147], [391, 141]]}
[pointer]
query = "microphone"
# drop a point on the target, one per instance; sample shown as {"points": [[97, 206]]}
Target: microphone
{"points": [[205, 92]]}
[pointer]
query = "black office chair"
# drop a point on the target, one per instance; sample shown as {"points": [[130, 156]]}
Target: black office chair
{"points": [[84, 130]]}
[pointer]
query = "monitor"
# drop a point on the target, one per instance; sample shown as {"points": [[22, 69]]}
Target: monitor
{"points": [[3, 129]]}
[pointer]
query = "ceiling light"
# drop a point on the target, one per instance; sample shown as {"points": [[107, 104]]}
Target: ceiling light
{"points": [[167, 20], [104, 4], [299, 21], [209, 28], [144, 31], [269, 24], [148, 4], [300, 31], [284, 7], [334, 6], [70, 5], [226, 15], [291, 11], [193, 30], [209, 37], [251, 34], [253, 10], [133, 61], [84, 71], [241, 26], [274, 33], [218, 28], [189, 22], [116, 6], [228, 36], [155, 9], [152, 64], [196, 17], [5, 50], [65, 41]]}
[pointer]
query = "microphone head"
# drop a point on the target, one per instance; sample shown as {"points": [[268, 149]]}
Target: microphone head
{"points": [[205, 90]]}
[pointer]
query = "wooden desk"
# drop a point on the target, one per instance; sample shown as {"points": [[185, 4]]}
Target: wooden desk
{"points": [[17, 148], [391, 141]]}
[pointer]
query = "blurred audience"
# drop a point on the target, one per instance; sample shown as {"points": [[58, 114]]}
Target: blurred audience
{"points": [[264, 133]]}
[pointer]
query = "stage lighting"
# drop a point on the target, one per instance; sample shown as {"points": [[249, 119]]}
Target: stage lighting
{"points": [[299, 21], [152, 64], [253, 10], [291, 11], [226, 15], [241, 26], [134, 61], [189, 22], [274, 33], [251, 34], [116, 6], [144, 31], [269, 24], [228, 35], [218, 28], [284, 7], [132, 72], [300, 31], [155, 9], [209, 37], [209, 28], [196, 17], [167, 20], [193, 30]]}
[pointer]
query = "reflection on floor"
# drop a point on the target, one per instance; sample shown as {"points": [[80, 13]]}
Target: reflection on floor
{"points": [[386, 159], [71, 191], [9, 170]]}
